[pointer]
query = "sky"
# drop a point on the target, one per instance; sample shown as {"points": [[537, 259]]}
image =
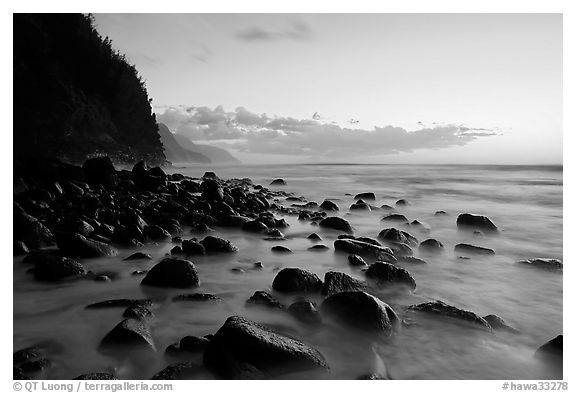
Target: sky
{"points": [[373, 88]]}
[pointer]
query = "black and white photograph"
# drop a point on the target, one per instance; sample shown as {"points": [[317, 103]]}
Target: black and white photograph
{"points": [[287, 196]]}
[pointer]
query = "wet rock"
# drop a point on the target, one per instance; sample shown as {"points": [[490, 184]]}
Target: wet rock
{"points": [[335, 282], [192, 247], [305, 311], [364, 249], [31, 231], [274, 233], [470, 249], [367, 196], [254, 226], [233, 221], [210, 175], [49, 267], [214, 244], [329, 205], [360, 205], [278, 182], [156, 233], [264, 298], [76, 225], [292, 280], [314, 237], [442, 309], [180, 371], [497, 323], [136, 256], [361, 310], [337, 223], [100, 171], [473, 221], [385, 275], [552, 351], [196, 297], [193, 343], [20, 248], [172, 272], [128, 334], [431, 245], [412, 260], [544, 263], [440, 213], [281, 249], [401, 250], [242, 346], [211, 191], [76, 245], [386, 207], [402, 202], [26, 355], [96, 377], [395, 218], [176, 250], [319, 247], [356, 260], [138, 310], [397, 236]]}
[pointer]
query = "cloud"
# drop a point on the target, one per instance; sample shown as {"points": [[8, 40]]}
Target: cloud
{"points": [[248, 132], [297, 31]]}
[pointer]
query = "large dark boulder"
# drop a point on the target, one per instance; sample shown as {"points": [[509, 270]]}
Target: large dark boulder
{"points": [[172, 272], [473, 221], [52, 267], [368, 250], [335, 282], [361, 310], [31, 231], [294, 279], [471, 249], [385, 275], [552, 351], [100, 171], [278, 182], [241, 345], [128, 334], [393, 235], [76, 245], [214, 244], [337, 223], [329, 205], [440, 308], [367, 196], [431, 246]]}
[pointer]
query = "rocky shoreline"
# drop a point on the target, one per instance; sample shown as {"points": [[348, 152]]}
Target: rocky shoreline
{"points": [[64, 213]]}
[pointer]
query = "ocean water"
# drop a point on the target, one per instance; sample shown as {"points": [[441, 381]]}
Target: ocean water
{"points": [[524, 202]]}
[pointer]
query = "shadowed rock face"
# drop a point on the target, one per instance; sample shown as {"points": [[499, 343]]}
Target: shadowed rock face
{"points": [[244, 349], [174, 273], [335, 282], [442, 309], [384, 275], [336, 223], [552, 351], [473, 221], [361, 310], [128, 334]]}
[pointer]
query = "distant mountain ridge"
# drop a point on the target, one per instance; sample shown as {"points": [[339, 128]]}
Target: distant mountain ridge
{"points": [[179, 148]]}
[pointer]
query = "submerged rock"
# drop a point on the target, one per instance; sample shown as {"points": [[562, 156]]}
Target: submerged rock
{"points": [[356, 260], [395, 218], [136, 256], [278, 182], [305, 311], [442, 309], [497, 323], [470, 249], [431, 245], [543, 263], [361, 310], [552, 351], [337, 223], [335, 282], [172, 272], [329, 205], [242, 348], [368, 196], [364, 249], [294, 279], [385, 275], [265, 299], [413, 260], [397, 236], [50, 267], [214, 244], [76, 245], [314, 237], [319, 247], [192, 247], [281, 249], [128, 334], [473, 221]]}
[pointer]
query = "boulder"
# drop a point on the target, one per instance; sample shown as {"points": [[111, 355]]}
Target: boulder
{"points": [[356, 260], [497, 323], [544, 264], [385, 275], [290, 280], [335, 282], [337, 223], [305, 311], [367, 196], [278, 182], [214, 244], [328, 205], [440, 213], [552, 351], [281, 249], [360, 205], [364, 249], [100, 171], [470, 249], [241, 345], [50, 267], [76, 245], [172, 272], [431, 245], [402, 202], [128, 334], [137, 256], [193, 343], [314, 237], [265, 299], [473, 221], [319, 247], [192, 247], [395, 218], [445, 310], [361, 310], [397, 236], [254, 226], [31, 231], [413, 260]]}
